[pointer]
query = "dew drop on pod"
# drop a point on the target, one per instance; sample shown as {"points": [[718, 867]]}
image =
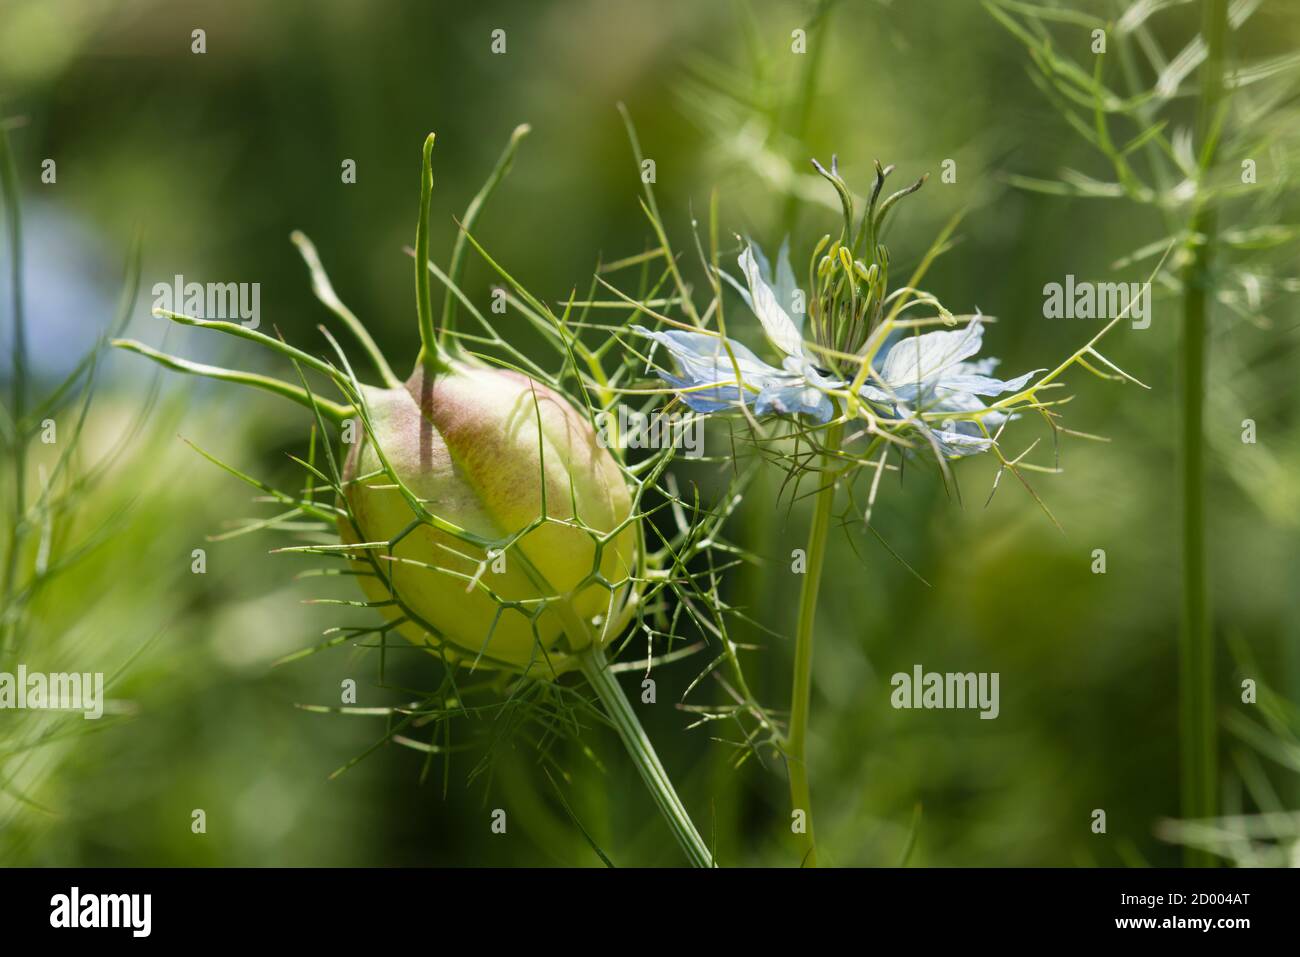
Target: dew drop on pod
{"points": [[483, 516]]}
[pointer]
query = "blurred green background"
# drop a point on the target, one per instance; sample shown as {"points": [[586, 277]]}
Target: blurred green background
{"points": [[215, 158]]}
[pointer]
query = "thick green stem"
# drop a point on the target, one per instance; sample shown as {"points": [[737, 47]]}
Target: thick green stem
{"points": [[621, 713], [796, 746], [1196, 642]]}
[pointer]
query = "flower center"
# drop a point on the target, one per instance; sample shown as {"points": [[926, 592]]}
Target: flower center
{"points": [[849, 278]]}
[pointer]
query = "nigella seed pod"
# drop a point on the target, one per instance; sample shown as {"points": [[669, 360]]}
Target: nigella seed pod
{"points": [[482, 515], [503, 458]]}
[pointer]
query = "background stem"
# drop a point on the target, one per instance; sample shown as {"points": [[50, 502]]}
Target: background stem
{"points": [[1196, 647], [801, 109], [621, 713], [18, 400], [796, 748]]}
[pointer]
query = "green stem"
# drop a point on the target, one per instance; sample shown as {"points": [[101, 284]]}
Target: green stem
{"points": [[1196, 642], [1196, 645], [621, 713], [18, 411], [796, 747]]}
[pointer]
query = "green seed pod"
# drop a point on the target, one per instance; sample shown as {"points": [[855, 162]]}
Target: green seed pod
{"points": [[484, 517], [466, 443]]}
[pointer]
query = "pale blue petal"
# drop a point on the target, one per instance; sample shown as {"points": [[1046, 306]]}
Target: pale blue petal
{"points": [[739, 287], [955, 445], [777, 324], [983, 366], [809, 371], [706, 400], [785, 285], [797, 397], [958, 437], [915, 363], [984, 385], [875, 394], [703, 361], [704, 357], [764, 266]]}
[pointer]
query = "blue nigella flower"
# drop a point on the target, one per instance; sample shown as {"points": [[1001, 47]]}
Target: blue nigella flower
{"points": [[926, 373]]}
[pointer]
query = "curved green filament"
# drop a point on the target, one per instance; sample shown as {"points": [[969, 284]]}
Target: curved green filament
{"points": [[324, 290], [432, 357], [333, 410], [472, 212]]}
